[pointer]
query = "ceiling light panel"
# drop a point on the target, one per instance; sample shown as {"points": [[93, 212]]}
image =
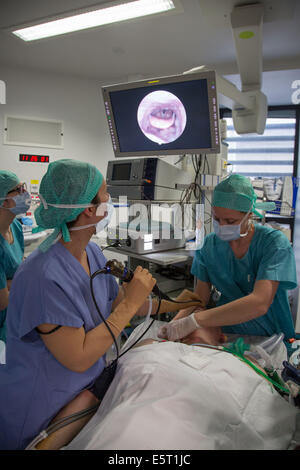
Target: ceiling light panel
{"points": [[93, 19]]}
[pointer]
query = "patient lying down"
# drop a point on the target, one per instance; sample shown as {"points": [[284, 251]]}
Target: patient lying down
{"points": [[86, 399], [169, 395]]}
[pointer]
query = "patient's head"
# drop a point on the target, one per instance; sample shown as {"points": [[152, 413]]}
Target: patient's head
{"points": [[211, 335], [205, 335]]}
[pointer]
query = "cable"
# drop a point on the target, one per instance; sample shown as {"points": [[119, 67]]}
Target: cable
{"points": [[98, 310], [60, 424], [180, 159], [150, 308], [113, 245], [70, 419], [207, 164], [119, 272], [117, 269], [194, 187], [173, 273], [140, 337]]}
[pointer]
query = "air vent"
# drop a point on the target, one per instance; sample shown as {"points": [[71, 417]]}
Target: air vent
{"points": [[33, 132]]}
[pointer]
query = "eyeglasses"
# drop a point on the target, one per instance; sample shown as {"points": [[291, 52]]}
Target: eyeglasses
{"points": [[20, 189]]}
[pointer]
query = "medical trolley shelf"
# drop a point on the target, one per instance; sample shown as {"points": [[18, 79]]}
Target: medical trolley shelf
{"points": [[163, 258]]}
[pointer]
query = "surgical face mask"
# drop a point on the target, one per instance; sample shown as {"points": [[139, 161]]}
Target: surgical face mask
{"points": [[230, 232], [22, 201], [105, 221], [101, 209]]}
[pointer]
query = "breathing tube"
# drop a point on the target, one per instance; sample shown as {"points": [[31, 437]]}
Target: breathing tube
{"points": [[238, 348]]}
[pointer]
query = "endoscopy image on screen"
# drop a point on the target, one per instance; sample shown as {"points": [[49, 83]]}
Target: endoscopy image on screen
{"points": [[162, 117]]}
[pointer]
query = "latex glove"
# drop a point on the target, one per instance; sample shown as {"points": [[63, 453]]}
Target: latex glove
{"points": [[178, 329], [138, 289]]}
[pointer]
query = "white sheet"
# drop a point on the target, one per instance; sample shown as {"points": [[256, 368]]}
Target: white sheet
{"points": [[174, 396]]}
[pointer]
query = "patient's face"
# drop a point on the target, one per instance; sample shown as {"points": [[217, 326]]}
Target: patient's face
{"points": [[212, 336]]}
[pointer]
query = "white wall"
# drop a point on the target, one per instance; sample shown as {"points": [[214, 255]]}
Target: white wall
{"points": [[78, 103]]}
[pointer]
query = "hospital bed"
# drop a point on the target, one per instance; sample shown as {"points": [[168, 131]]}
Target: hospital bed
{"points": [[176, 396]]}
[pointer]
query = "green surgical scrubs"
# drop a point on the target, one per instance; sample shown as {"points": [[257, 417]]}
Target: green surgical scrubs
{"points": [[10, 258], [270, 256]]}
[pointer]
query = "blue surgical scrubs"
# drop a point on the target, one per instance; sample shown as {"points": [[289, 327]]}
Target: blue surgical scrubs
{"points": [[11, 256], [269, 256], [54, 288]]}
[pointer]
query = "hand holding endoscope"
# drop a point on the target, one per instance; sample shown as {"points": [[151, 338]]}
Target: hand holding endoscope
{"points": [[124, 274], [139, 288]]}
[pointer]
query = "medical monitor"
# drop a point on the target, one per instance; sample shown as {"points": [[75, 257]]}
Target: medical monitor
{"points": [[164, 116]]}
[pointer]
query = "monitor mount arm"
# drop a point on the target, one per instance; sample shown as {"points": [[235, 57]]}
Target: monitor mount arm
{"points": [[249, 105]]}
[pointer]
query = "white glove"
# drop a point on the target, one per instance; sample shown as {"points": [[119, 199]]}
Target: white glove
{"points": [[178, 329]]}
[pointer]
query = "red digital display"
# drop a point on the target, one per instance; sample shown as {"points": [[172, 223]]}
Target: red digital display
{"points": [[33, 158]]}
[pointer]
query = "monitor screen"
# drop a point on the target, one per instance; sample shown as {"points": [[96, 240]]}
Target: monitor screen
{"points": [[121, 171], [169, 115]]}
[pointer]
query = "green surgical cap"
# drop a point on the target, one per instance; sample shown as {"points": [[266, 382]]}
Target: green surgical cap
{"points": [[66, 182], [236, 192], [8, 181]]}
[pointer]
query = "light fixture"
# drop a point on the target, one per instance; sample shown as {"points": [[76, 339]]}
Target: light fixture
{"points": [[92, 19]]}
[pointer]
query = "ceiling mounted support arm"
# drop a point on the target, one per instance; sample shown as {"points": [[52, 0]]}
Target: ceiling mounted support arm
{"points": [[247, 27], [249, 108], [249, 105]]}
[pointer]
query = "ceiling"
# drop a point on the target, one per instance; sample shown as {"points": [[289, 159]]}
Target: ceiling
{"points": [[155, 46]]}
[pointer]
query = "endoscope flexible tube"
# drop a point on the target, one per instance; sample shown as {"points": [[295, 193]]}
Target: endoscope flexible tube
{"points": [[101, 271], [149, 309], [151, 323]]}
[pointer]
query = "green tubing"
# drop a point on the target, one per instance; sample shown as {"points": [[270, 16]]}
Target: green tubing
{"points": [[235, 350]]}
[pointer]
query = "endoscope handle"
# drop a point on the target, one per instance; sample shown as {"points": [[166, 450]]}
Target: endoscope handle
{"points": [[116, 268], [119, 270], [129, 275]]}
